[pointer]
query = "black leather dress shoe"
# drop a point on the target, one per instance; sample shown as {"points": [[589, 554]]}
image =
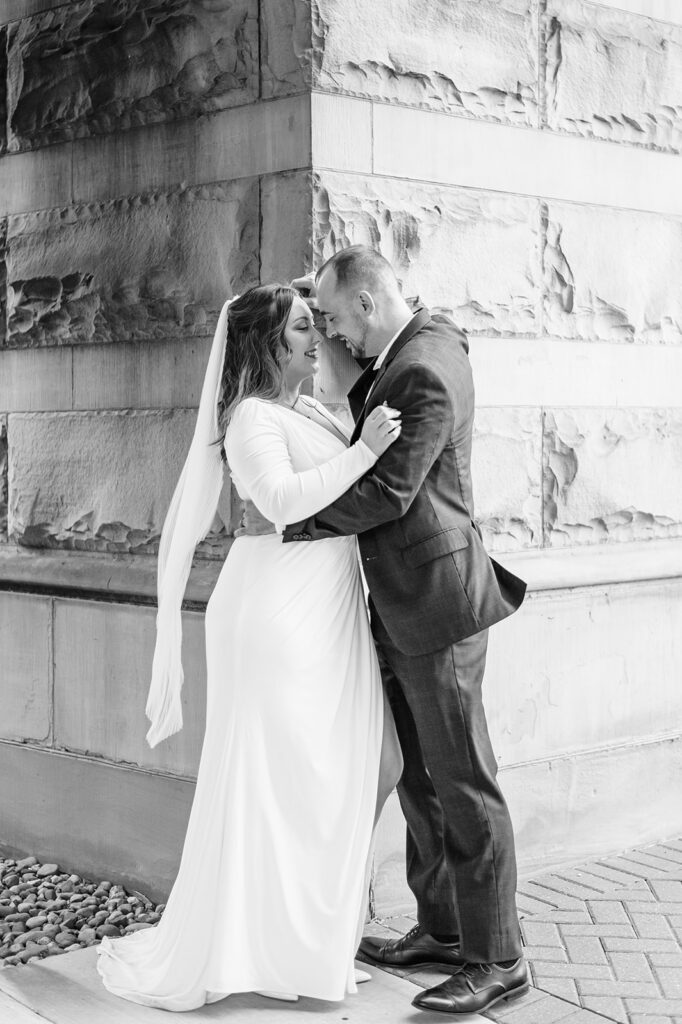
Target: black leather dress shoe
{"points": [[415, 948], [475, 988]]}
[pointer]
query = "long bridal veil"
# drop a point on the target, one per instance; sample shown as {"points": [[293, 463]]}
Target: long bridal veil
{"points": [[187, 522]]}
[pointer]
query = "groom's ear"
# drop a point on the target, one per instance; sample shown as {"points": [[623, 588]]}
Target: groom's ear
{"points": [[366, 302]]}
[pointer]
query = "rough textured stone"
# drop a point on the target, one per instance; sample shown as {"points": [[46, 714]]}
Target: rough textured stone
{"points": [[612, 275], [506, 472], [612, 475], [25, 641], [3, 90], [3, 279], [475, 58], [474, 255], [144, 267], [613, 75], [99, 481], [285, 47], [14, 10], [3, 478], [103, 660], [95, 66]]}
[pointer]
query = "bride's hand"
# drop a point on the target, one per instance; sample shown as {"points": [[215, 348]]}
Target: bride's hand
{"points": [[307, 289], [381, 429], [305, 286]]}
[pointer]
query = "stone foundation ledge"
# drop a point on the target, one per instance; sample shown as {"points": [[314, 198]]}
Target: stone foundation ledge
{"points": [[565, 809], [131, 579], [596, 565]]}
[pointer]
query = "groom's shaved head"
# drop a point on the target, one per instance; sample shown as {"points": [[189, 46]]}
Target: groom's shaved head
{"points": [[360, 268], [359, 296]]}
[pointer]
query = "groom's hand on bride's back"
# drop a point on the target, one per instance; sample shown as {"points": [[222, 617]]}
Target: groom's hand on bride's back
{"points": [[252, 523]]}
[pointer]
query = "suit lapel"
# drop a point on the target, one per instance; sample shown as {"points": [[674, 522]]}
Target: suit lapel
{"points": [[357, 396], [419, 320]]}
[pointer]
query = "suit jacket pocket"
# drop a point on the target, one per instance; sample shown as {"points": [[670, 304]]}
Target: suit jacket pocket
{"points": [[434, 547]]}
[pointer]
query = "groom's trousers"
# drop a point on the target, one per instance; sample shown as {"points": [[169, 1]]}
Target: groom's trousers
{"points": [[461, 863]]}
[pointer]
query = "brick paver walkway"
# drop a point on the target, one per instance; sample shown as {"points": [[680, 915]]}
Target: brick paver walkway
{"points": [[603, 940]]}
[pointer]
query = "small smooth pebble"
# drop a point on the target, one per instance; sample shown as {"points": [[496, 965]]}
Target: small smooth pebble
{"points": [[31, 950], [47, 869], [36, 922], [47, 912], [27, 862]]}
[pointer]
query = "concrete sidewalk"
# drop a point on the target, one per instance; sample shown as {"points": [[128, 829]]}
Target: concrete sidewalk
{"points": [[67, 990], [603, 940]]}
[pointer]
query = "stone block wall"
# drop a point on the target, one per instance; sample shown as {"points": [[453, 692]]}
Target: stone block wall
{"points": [[519, 164]]}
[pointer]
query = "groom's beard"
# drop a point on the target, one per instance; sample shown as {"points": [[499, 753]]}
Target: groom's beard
{"points": [[358, 344]]}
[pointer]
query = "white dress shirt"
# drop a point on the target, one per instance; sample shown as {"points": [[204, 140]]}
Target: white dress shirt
{"points": [[381, 358]]}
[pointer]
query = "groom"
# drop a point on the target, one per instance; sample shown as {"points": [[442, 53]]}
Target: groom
{"points": [[433, 594]]}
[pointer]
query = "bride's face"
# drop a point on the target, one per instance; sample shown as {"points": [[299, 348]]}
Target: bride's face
{"points": [[304, 342]]}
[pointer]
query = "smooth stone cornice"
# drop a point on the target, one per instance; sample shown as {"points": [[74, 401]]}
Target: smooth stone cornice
{"points": [[660, 10], [247, 141], [445, 148], [558, 372]]}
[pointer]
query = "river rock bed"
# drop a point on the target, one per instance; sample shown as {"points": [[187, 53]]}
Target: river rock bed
{"points": [[45, 911]]}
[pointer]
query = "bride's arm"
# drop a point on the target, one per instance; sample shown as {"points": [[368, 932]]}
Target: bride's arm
{"points": [[258, 455]]}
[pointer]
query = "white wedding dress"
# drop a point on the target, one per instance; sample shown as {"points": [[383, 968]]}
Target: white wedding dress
{"points": [[272, 887]]}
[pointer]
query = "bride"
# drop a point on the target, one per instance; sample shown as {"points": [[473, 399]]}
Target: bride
{"points": [[300, 752]]}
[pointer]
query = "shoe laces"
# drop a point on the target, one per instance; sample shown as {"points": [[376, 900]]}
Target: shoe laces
{"points": [[471, 970], [409, 935]]}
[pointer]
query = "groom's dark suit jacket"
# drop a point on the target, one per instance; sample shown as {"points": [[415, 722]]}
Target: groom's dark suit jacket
{"points": [[430, 578]]}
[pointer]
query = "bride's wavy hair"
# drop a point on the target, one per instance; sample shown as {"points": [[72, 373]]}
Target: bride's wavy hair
{"points": [[256, 351]]}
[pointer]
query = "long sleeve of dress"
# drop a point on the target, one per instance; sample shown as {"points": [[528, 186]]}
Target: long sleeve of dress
{"points": [[258, 457]]}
